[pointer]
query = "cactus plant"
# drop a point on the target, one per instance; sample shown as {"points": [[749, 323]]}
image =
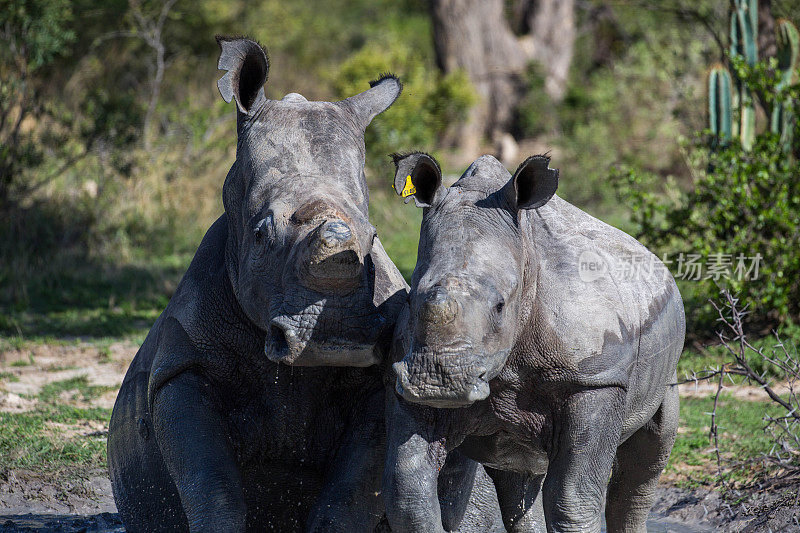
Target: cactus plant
{"points": [[744, 43], [782, 120], [719, 102], [744, 30]]}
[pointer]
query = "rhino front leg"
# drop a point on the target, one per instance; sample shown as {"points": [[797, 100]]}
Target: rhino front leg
{"points": [[455, 483], [413, 461], [520, 500], [589, 428], [194, 441], [350, 499]]}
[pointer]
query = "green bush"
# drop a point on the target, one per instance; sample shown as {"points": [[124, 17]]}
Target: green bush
{"points": [[34, 33], [741, 213], [743, 204], [429, 104], [536, 114]]}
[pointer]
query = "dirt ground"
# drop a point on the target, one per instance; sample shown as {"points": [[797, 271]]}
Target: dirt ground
{"points": [[31, 501], [31, 504], [37, 365]]}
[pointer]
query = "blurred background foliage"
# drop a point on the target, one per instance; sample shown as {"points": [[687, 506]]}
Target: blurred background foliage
{"points": [[114, 142]]}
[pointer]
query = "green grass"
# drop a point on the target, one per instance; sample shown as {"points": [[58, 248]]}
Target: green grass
{"points": [[78, 386], [23, 362], [8, 376], [104, 352], [60, 368], [741, 436], [29, 440], [102, 343], [92, 300]]}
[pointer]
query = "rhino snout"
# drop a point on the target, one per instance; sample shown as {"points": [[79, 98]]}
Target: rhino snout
{"points": [[334, 261], [440, 388]]}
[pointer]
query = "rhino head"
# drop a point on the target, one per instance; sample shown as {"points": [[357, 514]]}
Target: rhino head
{"points": [[305, 263], [473, 268]]}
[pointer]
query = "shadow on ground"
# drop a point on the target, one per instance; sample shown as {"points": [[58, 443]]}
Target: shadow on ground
{"points": [[53, 523], [89, 299]]}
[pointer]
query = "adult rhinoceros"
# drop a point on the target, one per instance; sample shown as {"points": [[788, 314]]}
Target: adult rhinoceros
{"points": [[211, 431]]}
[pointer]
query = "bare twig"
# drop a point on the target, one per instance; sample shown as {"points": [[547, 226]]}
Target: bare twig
{"points": [[151, 32], [735, 325], [714, 430], [785, 428]]}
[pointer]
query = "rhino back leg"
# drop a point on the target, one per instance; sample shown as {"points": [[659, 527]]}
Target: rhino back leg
{"points": [[146, 497], [637, 467]]}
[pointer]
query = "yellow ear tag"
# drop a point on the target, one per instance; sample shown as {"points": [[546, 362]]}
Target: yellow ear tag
{"points": [[409, 189]]}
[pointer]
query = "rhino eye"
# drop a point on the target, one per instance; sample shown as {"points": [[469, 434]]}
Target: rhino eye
{"points": [[499, 307], [263, 229], [260, 231]]}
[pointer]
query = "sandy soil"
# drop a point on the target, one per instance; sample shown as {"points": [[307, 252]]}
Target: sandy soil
{"points": [[45, 364]]}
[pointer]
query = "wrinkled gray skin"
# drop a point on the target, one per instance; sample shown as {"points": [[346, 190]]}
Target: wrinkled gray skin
{"points": [[212, 431], [554, 381]]}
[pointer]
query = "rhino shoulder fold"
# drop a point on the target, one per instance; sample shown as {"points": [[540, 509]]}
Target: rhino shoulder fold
{"points": [[203, 326]]}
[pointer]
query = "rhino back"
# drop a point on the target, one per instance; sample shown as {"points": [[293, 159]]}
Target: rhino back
{"points": [[613, 327]]}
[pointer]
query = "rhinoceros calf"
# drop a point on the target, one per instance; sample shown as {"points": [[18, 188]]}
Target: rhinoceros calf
{"points": [[211, 431], [526, 349]]}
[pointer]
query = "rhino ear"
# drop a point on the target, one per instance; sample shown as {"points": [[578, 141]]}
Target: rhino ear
{"points": [[247, 67], [417, 174], [534, 183], [381, 94]]}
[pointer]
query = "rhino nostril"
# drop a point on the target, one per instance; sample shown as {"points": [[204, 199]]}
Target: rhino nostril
{"points": [[335, 233], [279, 341]]}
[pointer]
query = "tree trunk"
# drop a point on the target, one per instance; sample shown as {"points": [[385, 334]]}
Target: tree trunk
{"points": [[475, 36], [550, 25]]}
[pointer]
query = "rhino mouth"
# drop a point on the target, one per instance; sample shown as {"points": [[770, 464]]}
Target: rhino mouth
{"points": [[444, 381], [317, 336]]}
